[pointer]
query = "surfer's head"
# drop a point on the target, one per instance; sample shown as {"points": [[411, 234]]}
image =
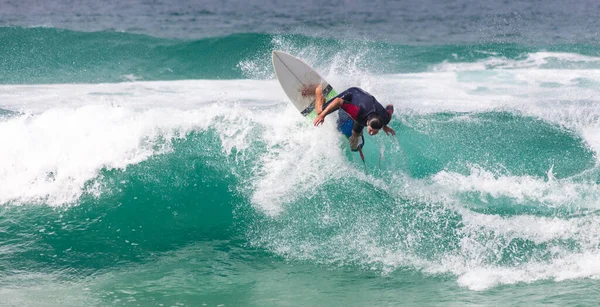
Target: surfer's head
{"points": [[375, 122]]}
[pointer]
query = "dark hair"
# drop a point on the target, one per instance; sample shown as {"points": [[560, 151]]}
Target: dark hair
{"points": [[375, 122]]}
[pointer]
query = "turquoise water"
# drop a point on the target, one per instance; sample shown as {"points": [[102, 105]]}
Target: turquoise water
{"points": [[50, 55], [150, 158]]}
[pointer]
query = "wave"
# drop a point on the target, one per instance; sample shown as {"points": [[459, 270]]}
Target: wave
{"points": [[115, 185], [492, 178]]}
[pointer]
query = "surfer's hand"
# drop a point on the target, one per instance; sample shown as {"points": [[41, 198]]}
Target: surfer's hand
{"points": [[389, 130], [319, 120]]}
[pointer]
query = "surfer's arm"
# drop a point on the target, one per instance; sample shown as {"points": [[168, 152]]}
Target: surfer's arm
{"points": [[332, 106], [389, 130]]}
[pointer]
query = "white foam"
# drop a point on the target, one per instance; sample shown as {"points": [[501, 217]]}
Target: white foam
{"points": [[529, 61], [575, 266], [184, 95], [299, 158], [547, 191], [569, 243], [476, 273]]}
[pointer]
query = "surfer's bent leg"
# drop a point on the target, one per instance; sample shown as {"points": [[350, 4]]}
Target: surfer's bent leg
{"points": [[319, 99]]}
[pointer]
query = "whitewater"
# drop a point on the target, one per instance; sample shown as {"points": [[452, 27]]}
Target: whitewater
{"points": [[492, 178]]}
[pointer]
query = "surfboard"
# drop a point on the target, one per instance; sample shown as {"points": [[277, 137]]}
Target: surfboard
{"points": [[294, 75]]}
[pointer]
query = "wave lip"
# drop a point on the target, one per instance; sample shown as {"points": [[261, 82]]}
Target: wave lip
{"points": [[55, 156]]}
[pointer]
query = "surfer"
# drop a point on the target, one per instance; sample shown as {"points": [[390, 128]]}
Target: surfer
{"points": [[364, 109]]}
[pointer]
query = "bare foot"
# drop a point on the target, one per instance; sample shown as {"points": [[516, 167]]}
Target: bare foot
{"points": [[309, 90]]}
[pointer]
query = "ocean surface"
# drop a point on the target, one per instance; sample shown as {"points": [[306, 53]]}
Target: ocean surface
{"points": [[148, 156]]}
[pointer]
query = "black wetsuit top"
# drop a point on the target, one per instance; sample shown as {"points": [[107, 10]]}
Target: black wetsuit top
{"points": [[360, 105]]}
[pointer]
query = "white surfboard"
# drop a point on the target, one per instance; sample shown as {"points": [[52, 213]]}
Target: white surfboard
{"points": [[294, 75]]}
